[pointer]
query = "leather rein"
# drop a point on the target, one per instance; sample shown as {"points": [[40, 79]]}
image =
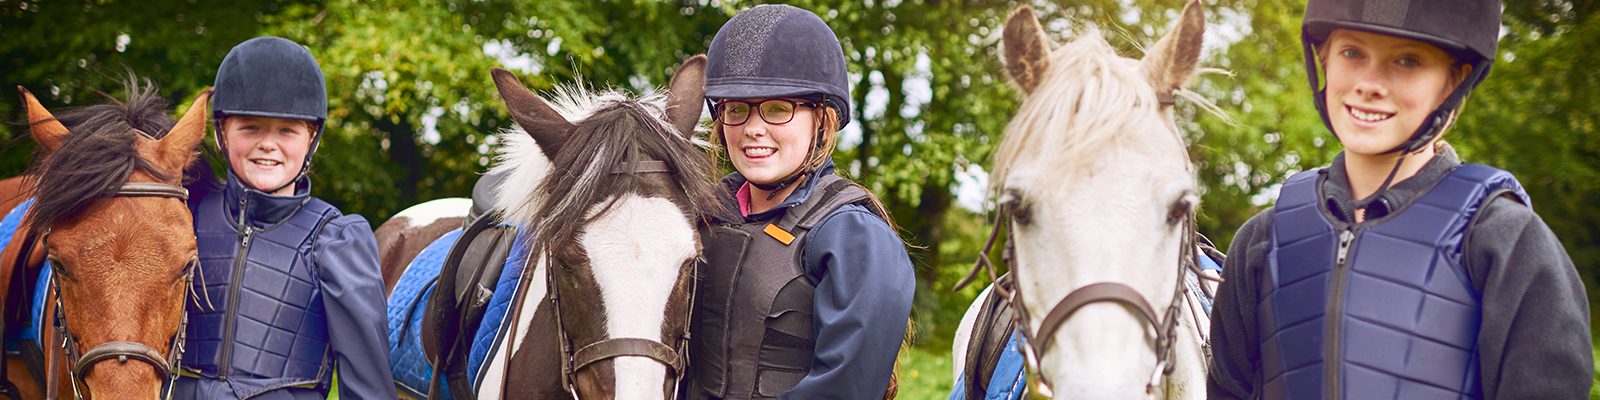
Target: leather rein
{"points": [[78, 365]]}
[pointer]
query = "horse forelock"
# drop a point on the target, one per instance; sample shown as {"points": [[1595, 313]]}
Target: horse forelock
{"points": [[611, 131], [100, 154], [1089, 101]]}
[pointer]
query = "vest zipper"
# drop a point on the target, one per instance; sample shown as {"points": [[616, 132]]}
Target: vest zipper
{"points": [[1335, 316], [226, 363]]}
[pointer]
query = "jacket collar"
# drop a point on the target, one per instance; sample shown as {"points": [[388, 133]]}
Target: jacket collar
{"points": [[1338, 198], [259, 208], [734, 181]]}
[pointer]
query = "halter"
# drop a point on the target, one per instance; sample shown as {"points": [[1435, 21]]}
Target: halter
{"points": [[78, 365], [575, 358], [1036, 343]]}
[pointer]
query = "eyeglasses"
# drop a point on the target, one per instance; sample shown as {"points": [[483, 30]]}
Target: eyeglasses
{"points": [[774, 111]]}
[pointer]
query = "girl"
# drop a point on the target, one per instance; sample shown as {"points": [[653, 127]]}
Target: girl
{"points": [[1398, 272], [808, 295]]}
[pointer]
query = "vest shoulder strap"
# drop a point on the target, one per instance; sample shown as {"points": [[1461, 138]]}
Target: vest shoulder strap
{"points": [[830, 193]]}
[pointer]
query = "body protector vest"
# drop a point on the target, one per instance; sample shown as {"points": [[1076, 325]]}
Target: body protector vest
{"points": [[753, 310], [1384, 309], [260, 315]]}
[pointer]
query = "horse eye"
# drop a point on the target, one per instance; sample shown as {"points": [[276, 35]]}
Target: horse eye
{"points": [[1014, 204], [1182, 208]]}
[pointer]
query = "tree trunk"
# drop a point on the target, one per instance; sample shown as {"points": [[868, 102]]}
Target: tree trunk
{"points": [[403, 152]]}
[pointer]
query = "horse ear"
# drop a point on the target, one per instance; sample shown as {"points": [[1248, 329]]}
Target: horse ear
{"points": [[1027, 49], [45, 128], [1172, 60], [177, 148], [686, 95], [547, 127]]}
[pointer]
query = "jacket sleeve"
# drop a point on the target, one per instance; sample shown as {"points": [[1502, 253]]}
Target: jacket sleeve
{"points": [[1534, 341], [863, 302], [352, 290], [1236, 362]]}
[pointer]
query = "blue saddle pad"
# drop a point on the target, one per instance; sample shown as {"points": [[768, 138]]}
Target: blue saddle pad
{"points": [[1010, 376], [9, 227], [406, 305]]}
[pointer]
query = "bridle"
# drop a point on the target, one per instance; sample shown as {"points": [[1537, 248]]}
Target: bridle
{"points": [[1036, 343], [78, 365], [575, 357]]}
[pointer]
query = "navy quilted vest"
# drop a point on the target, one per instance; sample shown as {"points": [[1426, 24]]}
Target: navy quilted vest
{"points": [[261, 315], [1379, 310]]}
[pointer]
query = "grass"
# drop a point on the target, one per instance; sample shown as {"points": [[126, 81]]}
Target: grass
{"points": [[925, 373]]}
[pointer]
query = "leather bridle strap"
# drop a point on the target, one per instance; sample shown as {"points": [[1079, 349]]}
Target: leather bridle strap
{"points": [[619, 347], [153, 189], [1093, 293], [642, 167], [123, 351]]}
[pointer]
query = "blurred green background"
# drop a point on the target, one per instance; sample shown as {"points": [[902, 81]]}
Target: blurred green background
{"points": [[413, 108]]}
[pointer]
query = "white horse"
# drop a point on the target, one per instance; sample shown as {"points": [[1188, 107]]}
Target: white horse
{"points": [[1094, 178]]}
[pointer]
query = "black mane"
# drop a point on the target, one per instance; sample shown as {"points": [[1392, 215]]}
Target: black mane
{"points": [[621, 132]]}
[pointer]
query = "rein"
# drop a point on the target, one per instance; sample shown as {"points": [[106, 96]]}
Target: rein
{"points": [[78, 365], [574, 357]]}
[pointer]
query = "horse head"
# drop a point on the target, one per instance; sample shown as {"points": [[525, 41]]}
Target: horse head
{"points": [[1095, 180], [615, 191], [119, 236]]}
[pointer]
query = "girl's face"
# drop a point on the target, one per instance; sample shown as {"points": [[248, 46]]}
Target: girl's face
{"points": [[266, 152], [1381, 88], [762, 151]]}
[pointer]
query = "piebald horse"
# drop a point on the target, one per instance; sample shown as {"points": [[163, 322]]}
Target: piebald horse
{"points": [[615, 193], [1098, 195]]}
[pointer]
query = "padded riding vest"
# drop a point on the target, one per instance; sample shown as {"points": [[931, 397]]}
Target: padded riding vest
{"points": [[753, 333], [261, 314], [1384, 309]]}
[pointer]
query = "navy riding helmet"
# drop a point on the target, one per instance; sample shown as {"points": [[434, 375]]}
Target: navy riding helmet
{"points": [[1466, 29], [271, 77], [771, 51]]}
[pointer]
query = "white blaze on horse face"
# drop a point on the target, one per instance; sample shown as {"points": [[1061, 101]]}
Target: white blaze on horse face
{"points": [[636, 252], [426, 213]]}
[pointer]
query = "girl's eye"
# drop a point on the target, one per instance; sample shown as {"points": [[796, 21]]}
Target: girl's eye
{"points": [[1409, 62], [1350, 53]]}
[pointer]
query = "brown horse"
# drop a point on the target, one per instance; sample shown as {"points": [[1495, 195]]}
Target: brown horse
{"points": [[110, 216], [616, 192]]}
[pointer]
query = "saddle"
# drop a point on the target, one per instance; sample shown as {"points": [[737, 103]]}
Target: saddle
{"points": [[990, 333], [466, 282]]}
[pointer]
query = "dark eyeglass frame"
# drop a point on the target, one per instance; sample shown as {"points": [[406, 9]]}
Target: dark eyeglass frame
{"points": [[717, 108]]}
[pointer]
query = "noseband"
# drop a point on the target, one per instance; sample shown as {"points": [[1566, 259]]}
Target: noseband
{"points": [[79, 364], [1036, 343]]}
